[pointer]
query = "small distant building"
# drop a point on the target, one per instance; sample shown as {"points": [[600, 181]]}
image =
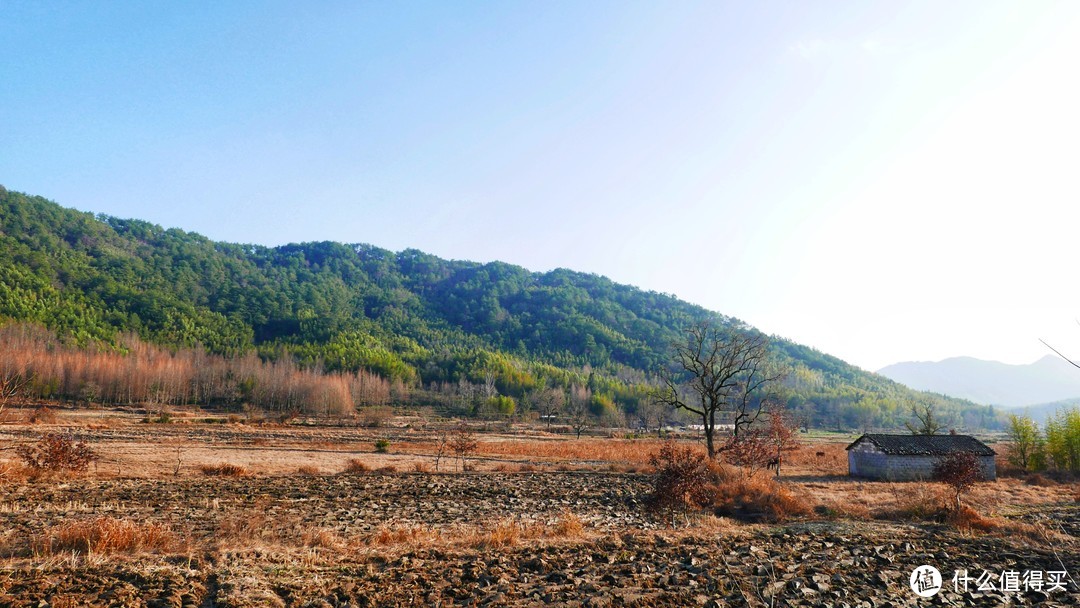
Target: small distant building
{"points": [[912, 457]]}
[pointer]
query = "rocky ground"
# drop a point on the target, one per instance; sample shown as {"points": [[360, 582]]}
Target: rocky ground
{"points": [[498, 539]]}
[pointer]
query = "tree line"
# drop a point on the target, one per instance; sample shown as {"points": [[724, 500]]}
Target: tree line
{"points": [[41, 368]]}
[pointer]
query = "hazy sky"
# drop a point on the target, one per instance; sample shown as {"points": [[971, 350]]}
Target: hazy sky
{"points": [[883, 181]]}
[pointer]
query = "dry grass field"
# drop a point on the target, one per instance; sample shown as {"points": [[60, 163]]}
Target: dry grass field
{"points": [[202, 511]]}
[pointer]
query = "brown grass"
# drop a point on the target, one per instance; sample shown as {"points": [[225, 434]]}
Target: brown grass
{"points": [[309, 470], [757, 497], [510, 532], [224, 469], [11, 471], [605, 450], [969, 520], [355, 465], [400, 535], [107, 535]]}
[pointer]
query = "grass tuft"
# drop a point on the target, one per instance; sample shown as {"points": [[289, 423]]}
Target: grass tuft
{"points": [[224, 469], [108, 535], [355, 465]]}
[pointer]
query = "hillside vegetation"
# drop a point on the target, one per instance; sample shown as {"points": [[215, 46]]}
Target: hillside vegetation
{"points": [[485, 338]]}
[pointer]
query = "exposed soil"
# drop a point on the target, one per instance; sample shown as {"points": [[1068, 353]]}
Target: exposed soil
{"points": [[549, 537]]}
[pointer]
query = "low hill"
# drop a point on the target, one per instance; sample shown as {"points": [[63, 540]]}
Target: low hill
{"points": [[408, 316]]}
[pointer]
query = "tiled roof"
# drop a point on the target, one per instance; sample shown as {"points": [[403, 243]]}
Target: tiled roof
{"points": [[925, 445]]}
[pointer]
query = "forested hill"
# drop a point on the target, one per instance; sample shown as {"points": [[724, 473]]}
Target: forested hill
{"points": [[408, 316]]}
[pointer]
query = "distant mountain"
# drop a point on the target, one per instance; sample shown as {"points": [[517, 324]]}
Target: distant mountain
{"points": [[1049, 379]]}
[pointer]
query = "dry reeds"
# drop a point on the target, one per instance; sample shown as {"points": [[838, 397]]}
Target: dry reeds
{"points": [[224, 469], [509, 532], [107, 535]]}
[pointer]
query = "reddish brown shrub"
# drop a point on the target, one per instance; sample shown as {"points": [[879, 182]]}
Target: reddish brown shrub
{"points": [[56, 452], [680, 482], [959, 470]]}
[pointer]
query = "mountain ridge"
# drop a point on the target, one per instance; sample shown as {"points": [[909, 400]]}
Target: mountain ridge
{"points": [[1048, 379], [408, 316]]}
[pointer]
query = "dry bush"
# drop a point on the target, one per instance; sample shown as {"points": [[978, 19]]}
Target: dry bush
{"points": [[386, 469], [1039, 480], [568, 525], [756, 497], [107, 535], [42, 415], [960, 471], [56, 452], [355, 465], [421, 467], [322, 538], [968, 520], [681, 481], [308, 469], [224, 469]]}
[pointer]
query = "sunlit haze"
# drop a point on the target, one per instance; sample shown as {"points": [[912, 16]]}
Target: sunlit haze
{"points": [[884, 181]]}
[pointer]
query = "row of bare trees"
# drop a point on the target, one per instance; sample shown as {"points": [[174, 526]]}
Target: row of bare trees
{"points": [[37, 366]]}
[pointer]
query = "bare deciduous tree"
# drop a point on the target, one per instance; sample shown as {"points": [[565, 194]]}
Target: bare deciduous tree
{"points": [[463, 443], [927, 423], [719, 368], [11, 382], [549, 402]]}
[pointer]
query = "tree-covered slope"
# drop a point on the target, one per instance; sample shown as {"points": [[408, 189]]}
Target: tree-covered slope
{"points": [[407, 316]]}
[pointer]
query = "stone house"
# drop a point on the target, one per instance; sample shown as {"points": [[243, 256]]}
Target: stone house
{"points": [[912, 457]]}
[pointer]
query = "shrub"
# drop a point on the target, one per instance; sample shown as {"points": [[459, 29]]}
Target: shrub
{"points": [[42, 415], [756, 497], [56, 452], [355, 465], [382, 445], [680, 482], [224, 469], [308, 469], [462, 443], [959, 470]]}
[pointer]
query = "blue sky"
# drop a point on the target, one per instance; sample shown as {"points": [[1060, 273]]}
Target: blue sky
{"points": [[885, 182]]}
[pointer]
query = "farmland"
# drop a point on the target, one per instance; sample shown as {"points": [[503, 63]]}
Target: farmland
{"points": [[314, 514]]}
